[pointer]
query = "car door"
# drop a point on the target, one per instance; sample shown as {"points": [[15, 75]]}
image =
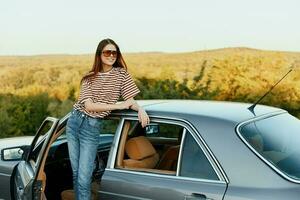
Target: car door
{"points": [[26, 185], [195, 175]]}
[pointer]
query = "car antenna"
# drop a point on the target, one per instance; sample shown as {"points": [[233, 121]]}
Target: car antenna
{"points": [[251, 108]]}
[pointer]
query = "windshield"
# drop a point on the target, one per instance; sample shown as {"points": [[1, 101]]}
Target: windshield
{"points": [[277, 139]]}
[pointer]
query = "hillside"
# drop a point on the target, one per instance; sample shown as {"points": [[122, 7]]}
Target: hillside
{"points": [[33, 87], [243, 70], [55, 74]]}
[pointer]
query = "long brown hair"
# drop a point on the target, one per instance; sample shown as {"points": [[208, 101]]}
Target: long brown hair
{"points": [[97, 66]]}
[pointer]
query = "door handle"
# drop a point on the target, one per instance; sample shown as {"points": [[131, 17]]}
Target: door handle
{"points": [[197, 196]]}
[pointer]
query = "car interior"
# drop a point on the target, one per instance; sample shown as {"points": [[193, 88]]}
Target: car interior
{"points": [[57, 175], [258, 142]]}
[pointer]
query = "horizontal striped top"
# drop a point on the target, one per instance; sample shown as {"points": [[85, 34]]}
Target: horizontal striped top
{"points": [[106, 88]]}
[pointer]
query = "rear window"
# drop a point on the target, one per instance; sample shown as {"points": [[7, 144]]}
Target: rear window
{"points": [[277, 140]]}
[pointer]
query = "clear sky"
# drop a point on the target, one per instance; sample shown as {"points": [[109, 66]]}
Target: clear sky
{"points": [[74, 27]]}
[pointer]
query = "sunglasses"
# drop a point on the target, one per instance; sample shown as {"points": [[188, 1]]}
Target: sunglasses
{"points": [[108, 53]]}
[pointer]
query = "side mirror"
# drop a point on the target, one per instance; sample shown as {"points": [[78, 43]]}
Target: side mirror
{"points": [[13, 153], [152, 129]]}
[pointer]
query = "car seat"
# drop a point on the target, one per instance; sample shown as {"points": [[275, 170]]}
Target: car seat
{"points": [[141, 153], [169, 159]]}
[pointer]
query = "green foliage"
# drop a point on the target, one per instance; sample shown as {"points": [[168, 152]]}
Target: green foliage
{"points": [[22, 115], [172, 89]]}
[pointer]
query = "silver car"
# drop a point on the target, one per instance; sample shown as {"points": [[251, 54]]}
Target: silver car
{"points": [[190, 150]]}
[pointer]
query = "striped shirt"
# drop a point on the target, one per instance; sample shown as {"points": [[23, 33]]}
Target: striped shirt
{"points": [[106, 88]]}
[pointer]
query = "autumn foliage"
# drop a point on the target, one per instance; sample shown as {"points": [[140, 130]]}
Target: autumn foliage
{"points": [[33, 87]]}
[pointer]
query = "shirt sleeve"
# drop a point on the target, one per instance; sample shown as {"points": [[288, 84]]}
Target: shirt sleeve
{"points": [[85, 92], [129, 88]]}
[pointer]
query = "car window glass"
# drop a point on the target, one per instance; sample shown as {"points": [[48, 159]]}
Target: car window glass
{"points": [[39, 141], [154, 148], [194, 163], [277, 140]]}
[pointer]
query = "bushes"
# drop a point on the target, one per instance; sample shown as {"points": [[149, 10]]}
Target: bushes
{"points": [[172, 89], [50, 84], [21, 115]]}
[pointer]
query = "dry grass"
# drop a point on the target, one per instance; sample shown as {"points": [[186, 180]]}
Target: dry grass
{"points": [[243, 69]]}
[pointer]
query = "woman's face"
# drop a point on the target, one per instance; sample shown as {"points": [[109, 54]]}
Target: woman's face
{"points": [[109, 55]]}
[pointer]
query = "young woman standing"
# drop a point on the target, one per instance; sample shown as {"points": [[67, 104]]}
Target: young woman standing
{"points": [[100, 90]]}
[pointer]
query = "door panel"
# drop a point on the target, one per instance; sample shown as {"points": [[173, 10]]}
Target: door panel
{"points": [[25, 184], [119, 184], [23, 180]]}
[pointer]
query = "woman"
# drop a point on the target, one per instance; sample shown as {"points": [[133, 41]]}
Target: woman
{"points": [[100, 90]]}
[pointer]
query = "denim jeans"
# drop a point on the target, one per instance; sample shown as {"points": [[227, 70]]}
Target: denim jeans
{"points": [[83, 134]]}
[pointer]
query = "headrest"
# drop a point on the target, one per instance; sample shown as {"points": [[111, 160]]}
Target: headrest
{"points": [[138, 148]]}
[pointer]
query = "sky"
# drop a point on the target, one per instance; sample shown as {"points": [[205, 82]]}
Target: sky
{"points": [[30, 27]]}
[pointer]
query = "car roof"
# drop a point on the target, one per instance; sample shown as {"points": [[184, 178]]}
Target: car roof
{"points": [[232, 111]]}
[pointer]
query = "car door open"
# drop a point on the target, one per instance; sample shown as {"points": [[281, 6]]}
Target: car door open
{"points": [[28, 181]]}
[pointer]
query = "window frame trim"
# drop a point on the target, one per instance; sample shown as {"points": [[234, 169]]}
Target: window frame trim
{"points": [[180, 152], [177, 121], [164, 176]]}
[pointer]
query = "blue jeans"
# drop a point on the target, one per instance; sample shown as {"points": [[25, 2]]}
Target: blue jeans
{"points": [[83, 134]]}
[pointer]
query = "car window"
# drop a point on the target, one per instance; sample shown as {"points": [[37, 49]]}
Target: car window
{"points": [[159, 151], [39, 141], [154, 148], [194, 163], [276, 139]]}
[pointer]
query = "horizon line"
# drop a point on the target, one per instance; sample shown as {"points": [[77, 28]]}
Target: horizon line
{"points": [[149, 52]]}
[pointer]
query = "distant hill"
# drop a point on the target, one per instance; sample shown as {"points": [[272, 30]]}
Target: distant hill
{"points": [[244, 69]]}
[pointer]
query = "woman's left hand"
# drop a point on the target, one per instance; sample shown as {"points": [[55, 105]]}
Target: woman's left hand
{"points": [[143, 117]]}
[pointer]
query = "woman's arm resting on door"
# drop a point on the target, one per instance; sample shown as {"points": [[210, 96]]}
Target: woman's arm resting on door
{"points": [[143, 116], [100, 107]]}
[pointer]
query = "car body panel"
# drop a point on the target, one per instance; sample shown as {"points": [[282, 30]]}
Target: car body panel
{"points": [[264, 193], [15, 141], [138, 185], [6, 167], [245, 163], [245, 169], [233, 111]]}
